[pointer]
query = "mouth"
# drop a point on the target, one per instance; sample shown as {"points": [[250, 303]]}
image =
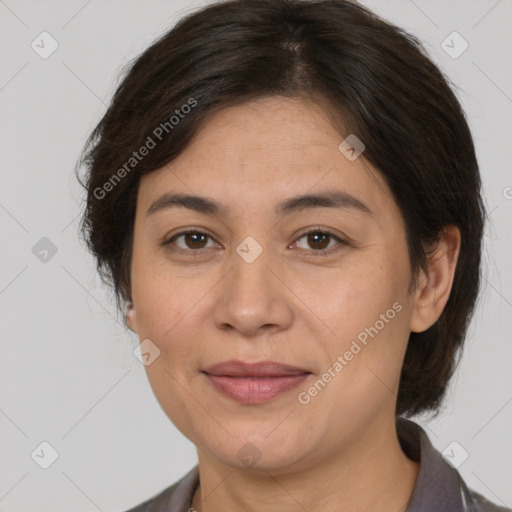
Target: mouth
{"points": [[253, 383]]}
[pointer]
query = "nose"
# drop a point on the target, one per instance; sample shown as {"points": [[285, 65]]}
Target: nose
{"points": [[253, 297]]}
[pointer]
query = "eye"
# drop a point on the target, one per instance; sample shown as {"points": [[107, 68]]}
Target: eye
{"points": [[319, 240], [194, 241]]}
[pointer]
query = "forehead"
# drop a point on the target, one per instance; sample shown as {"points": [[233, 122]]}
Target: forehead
{"points": [[270, 131], [266, 149]]}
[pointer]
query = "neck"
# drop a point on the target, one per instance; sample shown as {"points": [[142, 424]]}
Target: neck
{"points": [[373, 471]]}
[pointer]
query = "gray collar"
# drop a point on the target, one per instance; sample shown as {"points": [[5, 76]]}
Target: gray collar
{"points": [[438, 486]]}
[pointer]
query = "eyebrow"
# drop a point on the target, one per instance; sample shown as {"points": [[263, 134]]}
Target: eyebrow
{"points": [[206, 205]]}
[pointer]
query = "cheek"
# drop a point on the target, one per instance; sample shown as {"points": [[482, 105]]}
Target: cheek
{"points": [[353, 298], [165, 303], [366, 311], [166, 315], [168, 311]]}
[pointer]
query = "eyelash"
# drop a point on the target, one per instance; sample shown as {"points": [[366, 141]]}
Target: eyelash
{"points": [[198, 252]]}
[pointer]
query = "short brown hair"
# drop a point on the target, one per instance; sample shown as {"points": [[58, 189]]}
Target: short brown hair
{"points": [[376, 79]]}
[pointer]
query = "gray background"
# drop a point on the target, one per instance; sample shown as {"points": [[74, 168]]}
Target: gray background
{"points": [[68, 375]]}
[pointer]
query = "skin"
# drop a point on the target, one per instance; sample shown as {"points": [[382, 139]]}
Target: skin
{"points": [[339, 452]]}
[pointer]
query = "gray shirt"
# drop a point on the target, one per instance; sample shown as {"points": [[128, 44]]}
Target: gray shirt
{"points": [[439, 487]]}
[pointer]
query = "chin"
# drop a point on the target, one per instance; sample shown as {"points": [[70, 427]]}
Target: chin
{"points": [[261, 448]]}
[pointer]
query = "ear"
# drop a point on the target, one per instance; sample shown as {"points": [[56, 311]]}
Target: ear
{"points": [[435, 285], [131, 317]]}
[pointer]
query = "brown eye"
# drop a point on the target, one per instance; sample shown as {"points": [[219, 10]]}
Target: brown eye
{"points": [[193, 241], [319, 241]]}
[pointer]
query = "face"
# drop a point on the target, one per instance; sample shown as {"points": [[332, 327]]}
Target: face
{"points": [[250, 284]]}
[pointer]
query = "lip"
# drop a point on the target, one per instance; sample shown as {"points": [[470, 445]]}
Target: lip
{"points": [[254, 383], [234, 368]]}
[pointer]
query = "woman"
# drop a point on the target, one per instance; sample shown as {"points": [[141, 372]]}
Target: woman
{"points": [[285, 195]]}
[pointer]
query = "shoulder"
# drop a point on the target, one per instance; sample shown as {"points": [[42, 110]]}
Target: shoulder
{"points": [[439, 486], [158, 503], [475, 502], [175, 498]]}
